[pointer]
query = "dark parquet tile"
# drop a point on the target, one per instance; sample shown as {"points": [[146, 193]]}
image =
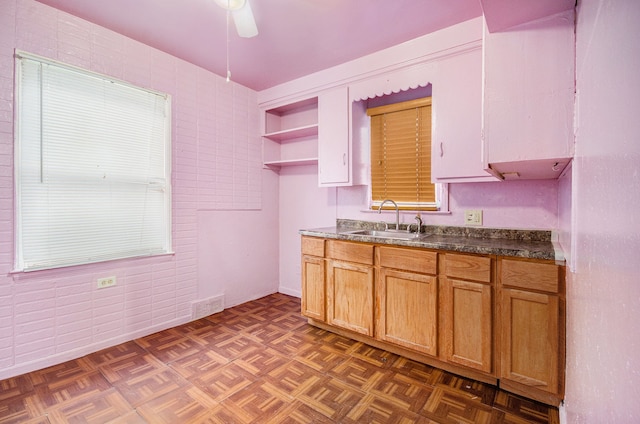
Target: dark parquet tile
{"points": [[168, 345], [181, 406], [80, 386], [199, 365], [374, 356], [294, 377], [235, 346], [410, 393], [223, 382], [380, 410], [63, 371], [449, 405], [121, 352], [260, 401], [99, 408], [310, 333], [211, 334], [299, 413], [415, 370], [145, 387], [359, 373], [331, 397], [129, 368], [338, 343], [477, 391], [245, 323], [516, 407], [290, 344], [321, 358], [18, 406], [259, 362]]}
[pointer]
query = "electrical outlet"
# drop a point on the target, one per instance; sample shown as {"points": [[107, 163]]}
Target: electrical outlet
{"points": [[106, 282], [473, 217]]}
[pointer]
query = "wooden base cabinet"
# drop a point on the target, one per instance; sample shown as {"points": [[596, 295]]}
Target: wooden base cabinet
{"points": [[350, 285], [529, 339], [313, 290], [407, 298], [408, 310], [499, 320], [532, 329], [468, 311], [313, 278]]}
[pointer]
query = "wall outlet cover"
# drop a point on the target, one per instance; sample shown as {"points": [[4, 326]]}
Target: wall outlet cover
{"points": [[473, 217], [106, 282]]}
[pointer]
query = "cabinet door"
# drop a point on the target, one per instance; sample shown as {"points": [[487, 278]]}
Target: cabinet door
{"points": [[350, 296], [528, 105], [313, 287], [408, 310], [529, 339], [467, 324], [333, 138], [457, 114]]}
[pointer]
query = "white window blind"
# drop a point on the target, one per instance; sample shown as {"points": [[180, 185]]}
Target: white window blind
{"points": [[92, 165]]}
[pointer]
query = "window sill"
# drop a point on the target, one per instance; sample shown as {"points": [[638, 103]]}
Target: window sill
{"points": [[18, 274], [407, 212]]}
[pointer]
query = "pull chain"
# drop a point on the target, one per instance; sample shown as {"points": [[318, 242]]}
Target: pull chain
{"points": [[228, 12]]}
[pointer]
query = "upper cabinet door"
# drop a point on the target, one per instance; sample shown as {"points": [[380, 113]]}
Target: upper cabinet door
{"points": [[529, 93], [333, 138], [457, 118]]}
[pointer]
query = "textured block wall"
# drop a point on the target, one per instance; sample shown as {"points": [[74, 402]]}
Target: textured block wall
{"points": [[50, 316]]}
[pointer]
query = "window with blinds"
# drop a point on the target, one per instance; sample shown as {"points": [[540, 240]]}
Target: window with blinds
{"points": [[401, 155], [92, 167]]}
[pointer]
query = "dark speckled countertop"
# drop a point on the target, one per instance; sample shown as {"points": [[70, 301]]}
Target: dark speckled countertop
{"points": [[533, 244]]}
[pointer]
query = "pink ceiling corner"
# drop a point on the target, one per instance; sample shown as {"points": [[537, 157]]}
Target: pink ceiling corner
{"points": [[503, 14]]}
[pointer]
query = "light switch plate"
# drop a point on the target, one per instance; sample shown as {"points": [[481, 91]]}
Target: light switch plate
{"points": [[473, 217]]}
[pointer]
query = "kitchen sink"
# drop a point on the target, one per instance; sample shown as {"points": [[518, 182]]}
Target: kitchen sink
{"points": [[403, 235]]}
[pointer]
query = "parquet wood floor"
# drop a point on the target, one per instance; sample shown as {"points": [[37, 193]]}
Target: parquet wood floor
{"points": [[259, 362]]}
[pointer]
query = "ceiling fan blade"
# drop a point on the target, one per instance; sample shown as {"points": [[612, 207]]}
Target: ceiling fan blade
{"points": [[245, 23]]}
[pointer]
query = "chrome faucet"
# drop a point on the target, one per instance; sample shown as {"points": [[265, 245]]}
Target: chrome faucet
{"points": [[418, 223], [397, 211]]}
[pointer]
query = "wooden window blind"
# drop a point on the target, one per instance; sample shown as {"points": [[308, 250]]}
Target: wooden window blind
{"points": [[401, 155]]}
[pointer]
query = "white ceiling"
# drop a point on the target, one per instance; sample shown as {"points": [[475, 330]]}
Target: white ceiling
{"points": [[296, 37]]}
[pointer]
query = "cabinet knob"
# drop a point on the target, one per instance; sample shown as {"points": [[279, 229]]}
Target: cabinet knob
{"points": [[344, 158], [441, 149]]}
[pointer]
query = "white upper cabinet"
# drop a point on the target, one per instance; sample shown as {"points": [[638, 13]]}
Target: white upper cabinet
{"points": [[528, 99], [456, 118], [334, 153]]}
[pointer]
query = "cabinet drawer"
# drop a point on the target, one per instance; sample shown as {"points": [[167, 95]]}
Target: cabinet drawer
{"points": [[423, 261], [313, 246], [351, 252], [530, 275], [476, 268]]}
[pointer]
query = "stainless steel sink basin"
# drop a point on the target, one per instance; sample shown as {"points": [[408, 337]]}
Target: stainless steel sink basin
{"points": [[387, 234]]}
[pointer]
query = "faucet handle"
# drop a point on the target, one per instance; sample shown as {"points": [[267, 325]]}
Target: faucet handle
{"points": [[419, 223]]}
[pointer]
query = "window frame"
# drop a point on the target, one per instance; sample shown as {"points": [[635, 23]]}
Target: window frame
{"points": [[440, 203], [163, 184]]}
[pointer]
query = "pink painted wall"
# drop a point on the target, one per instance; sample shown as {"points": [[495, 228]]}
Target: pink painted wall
{"points": [[603, 289], [47, 317], [529, 204], [302, 205], [513, 204]]}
